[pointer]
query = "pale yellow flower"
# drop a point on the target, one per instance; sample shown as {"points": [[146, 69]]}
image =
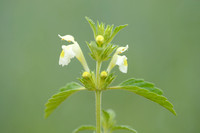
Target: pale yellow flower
{"points": [[71, 51], [119, 60]]}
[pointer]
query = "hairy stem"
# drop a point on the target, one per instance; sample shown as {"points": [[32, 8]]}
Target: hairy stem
{"points": [[98, 111], [98, 68], [98, 98]]}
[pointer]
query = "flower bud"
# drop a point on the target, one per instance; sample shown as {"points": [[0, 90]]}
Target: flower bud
{"points": [[100, 40], [86, 75], [104, 74]]}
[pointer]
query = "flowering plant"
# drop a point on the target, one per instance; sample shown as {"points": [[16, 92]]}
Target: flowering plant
{"points": [[99, 81]]}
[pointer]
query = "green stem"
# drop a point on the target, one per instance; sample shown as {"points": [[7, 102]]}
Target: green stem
{"points": [[98, 111], [98, 98], [98, 67]]}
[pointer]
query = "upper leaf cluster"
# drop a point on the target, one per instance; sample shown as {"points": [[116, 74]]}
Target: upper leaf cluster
{"points": [[107, 32], [101, 48]]}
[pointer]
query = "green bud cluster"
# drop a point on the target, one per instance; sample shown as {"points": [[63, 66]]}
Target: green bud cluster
{"points": [[102, 48], [105, 80], [88, 80]]}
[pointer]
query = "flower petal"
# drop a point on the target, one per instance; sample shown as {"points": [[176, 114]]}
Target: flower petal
{"points": [[122, 49], [68, 38], [122, 63], [66, 55]]}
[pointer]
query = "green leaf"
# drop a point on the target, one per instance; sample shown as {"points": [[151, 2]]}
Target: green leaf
{"points": [[92, 25], [95, 50], [105, 116], [58, 98], [100, 28], [108, 32], [104, 83], [85, 127], [70, 86], [108, 118], [146, 90], [105, 55], [116, 30], [123, 127], [142, 84]]}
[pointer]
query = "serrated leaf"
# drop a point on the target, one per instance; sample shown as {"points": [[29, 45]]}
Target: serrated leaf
{"points": [[123, 127], [58, 98], [85, 127], [146, 90], [72, 85], [116, 30], [142, 84], [92, 25]]}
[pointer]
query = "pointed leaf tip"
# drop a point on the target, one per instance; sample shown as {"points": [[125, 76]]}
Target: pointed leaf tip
{"points": [[147, 90], [58, 98], [84, 127], [92, 25], [124, 127]]}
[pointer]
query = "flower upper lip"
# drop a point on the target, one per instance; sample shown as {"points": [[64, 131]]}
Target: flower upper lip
{"points": [[68, 38], [122, 49]]}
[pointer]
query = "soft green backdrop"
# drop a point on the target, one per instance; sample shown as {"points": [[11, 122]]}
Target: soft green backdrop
{"points": [[164, 41]]}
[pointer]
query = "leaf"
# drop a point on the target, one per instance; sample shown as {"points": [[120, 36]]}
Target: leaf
{"points": [[85, 127], [70, 86], [143, 84], [104, 83], [123, 127], [116, 30], [58, 98], [105, 116], [108, 32], [146, 90], [108, 118], [105, 55], [100, 28], [92, 25]]}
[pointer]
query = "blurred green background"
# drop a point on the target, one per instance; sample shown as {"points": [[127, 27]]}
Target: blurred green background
{"points": [[164, 41]]}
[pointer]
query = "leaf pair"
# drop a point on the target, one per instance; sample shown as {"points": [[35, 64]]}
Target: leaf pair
{"points": [[108, 123], [92, 128], [138, 86]]}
